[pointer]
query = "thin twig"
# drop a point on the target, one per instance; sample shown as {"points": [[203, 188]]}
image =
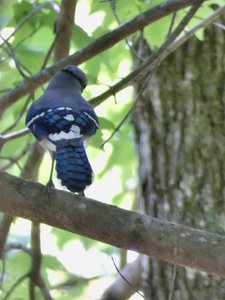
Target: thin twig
{"points": [[22, 278], [7, 59], [8, 137], [32, 33], [138, 97], [113, 5], [219, 25], [50, 50], [9, 247], [14, 160], [126, 279], [13, 135], [13, 56], [23, 110], [171, 24], [17, 246]]}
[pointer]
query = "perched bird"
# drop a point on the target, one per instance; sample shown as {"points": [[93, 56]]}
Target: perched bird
{"points": [[61, 119]]}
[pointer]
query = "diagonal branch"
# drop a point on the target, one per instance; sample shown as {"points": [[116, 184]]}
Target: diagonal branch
{"points": [[64, 28], [171, 48], [14, 286], [154, 58], [194, 248], [94, 48]]}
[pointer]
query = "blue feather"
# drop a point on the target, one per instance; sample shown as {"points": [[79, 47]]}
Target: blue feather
{"points": [[73, 167]]}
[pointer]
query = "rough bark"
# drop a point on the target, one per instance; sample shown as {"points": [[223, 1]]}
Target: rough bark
{"points": [[179, 126]]}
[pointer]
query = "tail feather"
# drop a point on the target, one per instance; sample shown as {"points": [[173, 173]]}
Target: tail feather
{"points": [[73, 167]]}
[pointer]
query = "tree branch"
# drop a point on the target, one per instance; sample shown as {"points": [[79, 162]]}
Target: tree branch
{"points": [[120, 289], [4, 230], [35, 272], [195, 248], [94, 48], [64, 28], [13, 135]]}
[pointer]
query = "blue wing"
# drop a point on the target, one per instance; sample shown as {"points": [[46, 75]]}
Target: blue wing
{"points": [[62, 125]]}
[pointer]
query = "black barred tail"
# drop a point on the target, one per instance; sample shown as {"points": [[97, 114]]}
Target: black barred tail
{"points": [[73, 167]]}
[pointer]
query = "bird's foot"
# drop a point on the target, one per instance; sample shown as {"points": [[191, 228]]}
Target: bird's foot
{"points": [[81, 194], [50, 185]]}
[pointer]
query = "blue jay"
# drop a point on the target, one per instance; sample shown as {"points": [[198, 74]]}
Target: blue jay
{"points": [[61, 119]]}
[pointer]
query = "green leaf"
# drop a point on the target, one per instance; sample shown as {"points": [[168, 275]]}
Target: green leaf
{"points": [[105, 123], [47, 17], [64, 237], [156, 33], [92, 68], [79, 37], [97, 139], [21, 10], [51, 262], [6, 12]]}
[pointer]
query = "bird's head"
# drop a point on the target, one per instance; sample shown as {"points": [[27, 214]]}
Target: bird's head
{"points": [[78, 74]]}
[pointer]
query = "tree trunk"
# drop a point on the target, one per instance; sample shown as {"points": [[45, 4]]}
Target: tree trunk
{"points": [[180, 137]]}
